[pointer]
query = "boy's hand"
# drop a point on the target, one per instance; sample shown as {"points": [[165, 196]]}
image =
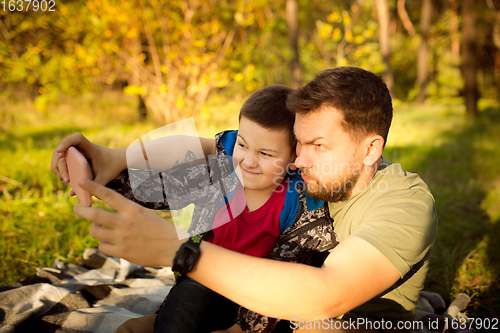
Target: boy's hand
{"points": [[106, 163], [132, 232]]}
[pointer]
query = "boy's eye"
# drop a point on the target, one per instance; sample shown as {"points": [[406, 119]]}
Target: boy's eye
{"points": [[266, 154]]}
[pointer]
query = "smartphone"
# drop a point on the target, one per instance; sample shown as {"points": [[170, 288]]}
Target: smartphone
{"points": [[78, 168]]}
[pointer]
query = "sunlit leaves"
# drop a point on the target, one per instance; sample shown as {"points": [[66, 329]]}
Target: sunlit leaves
{"points": [[135, 90], [347, 35], [181, 50]]}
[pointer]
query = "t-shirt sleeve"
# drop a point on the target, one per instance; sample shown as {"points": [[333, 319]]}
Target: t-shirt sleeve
{"points": [[402, 225]]}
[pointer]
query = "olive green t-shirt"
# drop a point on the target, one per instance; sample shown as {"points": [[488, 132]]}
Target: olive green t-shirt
{"points": [[396, 214]]}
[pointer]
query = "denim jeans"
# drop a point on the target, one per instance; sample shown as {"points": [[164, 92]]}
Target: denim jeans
{"points": [[193, 308]]}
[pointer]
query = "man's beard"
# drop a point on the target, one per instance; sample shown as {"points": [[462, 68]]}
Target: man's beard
{"points": [[333, 190]]}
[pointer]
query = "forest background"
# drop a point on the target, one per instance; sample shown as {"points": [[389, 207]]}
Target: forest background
{"points": [[115, 70]]}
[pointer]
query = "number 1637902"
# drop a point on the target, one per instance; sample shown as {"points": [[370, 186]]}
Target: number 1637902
{"points": [[27, 5]]}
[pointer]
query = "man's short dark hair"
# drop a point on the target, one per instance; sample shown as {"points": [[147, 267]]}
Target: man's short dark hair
{"points": [[267, 107], [361, 96]]}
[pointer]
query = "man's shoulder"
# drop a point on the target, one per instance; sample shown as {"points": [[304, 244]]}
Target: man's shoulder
{"points": [[391, 177], [394, 195]]}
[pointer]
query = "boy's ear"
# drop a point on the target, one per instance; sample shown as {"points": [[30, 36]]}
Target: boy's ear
{"points": [[374, 146]]}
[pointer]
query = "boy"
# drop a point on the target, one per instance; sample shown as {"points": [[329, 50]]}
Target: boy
{"points": [[279, 220]]}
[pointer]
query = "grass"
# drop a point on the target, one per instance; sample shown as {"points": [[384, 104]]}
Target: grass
{"points": [[457, 157]]}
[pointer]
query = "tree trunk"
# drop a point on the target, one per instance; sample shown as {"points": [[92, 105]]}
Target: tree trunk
{"points": [[383, 21], [422, 61], [454, 25], [292, 19], [143, 111], [469, 58], [405, 18]]}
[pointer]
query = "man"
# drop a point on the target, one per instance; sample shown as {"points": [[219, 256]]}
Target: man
{"points": [[384, 216]]}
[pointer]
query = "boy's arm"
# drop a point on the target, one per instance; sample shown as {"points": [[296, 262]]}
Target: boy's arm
{"points": [[208, 146], [167, 152], [107, 163]]}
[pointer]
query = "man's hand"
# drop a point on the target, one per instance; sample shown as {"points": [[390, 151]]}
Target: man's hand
{"points": [[106, 163], [132, 232]]}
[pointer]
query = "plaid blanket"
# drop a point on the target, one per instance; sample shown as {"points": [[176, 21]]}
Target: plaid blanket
{"points": [[96, 295], [100, 293]]}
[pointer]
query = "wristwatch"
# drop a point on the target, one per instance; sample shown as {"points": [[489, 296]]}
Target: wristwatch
{"points": [[187, 256]]}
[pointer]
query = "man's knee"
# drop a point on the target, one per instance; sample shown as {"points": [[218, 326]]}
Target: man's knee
{"points": [[143, 324]]}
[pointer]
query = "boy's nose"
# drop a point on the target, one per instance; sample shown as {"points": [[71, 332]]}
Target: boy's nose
{"points": [[250, 161]]}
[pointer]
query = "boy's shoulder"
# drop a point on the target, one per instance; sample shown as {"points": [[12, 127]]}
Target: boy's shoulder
{"points": [[225, 140], [296, 188], [297, 202]]}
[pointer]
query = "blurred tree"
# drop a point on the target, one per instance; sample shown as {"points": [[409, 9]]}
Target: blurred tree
{"points": [[346, 36], [404, 37], [180, 55], [383, 21], [454, 29], [423, 60], [48, 54], [405, 18], [469, 58], [445, 78], [496, 41], [292, 19], [133, 42], [496, 28]]}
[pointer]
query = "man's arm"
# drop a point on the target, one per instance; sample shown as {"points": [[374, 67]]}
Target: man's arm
{"points": [[353, 273]]}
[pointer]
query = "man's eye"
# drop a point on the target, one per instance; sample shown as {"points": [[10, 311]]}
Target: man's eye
{"points": [[321, 147], [241, 145]]}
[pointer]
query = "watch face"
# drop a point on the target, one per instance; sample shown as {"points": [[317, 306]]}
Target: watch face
{"points": [[190, 261], [186, 258]]}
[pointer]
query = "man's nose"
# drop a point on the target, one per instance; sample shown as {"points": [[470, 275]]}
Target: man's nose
{"points": [[302, 161]]}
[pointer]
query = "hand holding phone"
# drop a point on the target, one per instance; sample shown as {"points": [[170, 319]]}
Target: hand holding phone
{"points": [[78, 168]]}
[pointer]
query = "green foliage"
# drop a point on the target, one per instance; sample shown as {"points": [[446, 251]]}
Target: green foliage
{"points": [[179, 53], [346, 35], [448, 81], [52, 53]]}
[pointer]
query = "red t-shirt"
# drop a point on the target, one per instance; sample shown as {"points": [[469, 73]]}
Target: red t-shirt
{"points": [[252, 233]]}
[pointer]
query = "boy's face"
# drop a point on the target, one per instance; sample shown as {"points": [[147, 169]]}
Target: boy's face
{"points": [[262, 155]]}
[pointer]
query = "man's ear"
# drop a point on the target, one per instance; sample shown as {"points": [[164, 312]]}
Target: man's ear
{"points": [[374, 146]]}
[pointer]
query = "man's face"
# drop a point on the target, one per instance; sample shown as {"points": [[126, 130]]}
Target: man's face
{"points": [[329, 159]]}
